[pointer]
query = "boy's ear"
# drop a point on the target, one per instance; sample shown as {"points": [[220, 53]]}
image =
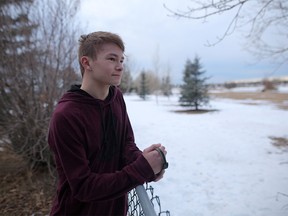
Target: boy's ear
{"points": [[85, 63]]}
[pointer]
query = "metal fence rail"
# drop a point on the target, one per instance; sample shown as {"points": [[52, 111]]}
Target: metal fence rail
{"points": [[143, 202]]}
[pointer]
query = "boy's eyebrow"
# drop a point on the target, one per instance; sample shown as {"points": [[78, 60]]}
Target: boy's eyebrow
{"points": [[115, 55]]}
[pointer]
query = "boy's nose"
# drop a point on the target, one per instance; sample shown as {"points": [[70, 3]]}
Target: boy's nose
{"points": [[120, 66]]}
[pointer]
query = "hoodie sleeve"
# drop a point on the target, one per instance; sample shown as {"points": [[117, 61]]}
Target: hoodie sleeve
{"points": [[66, 140]]}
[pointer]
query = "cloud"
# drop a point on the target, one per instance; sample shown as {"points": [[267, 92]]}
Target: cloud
{"points": [[146, 27]]}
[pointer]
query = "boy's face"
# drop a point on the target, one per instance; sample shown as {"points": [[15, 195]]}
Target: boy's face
{"points": [[107, 68]]}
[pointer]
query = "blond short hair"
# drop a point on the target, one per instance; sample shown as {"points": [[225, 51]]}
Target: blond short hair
{"points": [[89, 45]]}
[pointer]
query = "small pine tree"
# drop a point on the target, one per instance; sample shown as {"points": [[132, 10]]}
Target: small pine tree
{"points": [[143, 91], [194, 91]]}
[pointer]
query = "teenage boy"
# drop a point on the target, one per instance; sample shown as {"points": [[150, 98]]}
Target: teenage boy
{"points": [[91, 137]]}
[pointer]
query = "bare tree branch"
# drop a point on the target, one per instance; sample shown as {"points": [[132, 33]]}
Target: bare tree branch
{"points": [[260, 16]]}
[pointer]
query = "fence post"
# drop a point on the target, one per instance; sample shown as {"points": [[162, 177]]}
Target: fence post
{"points": [[146, 204]]}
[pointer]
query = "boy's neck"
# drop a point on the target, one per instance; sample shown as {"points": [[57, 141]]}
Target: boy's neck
{"points": [[96, 91]]}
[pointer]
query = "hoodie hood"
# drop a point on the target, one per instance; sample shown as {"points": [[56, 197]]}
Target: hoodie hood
{"points": [[106, 109], [76, 94]]}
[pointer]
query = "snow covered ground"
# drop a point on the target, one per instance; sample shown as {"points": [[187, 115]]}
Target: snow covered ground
{"points": [[220, 163]]}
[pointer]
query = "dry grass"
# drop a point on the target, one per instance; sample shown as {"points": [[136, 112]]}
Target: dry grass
{"points": [[277, 98], [23, 192], [280, 142]]}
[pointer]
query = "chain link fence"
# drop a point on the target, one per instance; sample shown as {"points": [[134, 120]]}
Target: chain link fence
{"points": [[143, 202]]}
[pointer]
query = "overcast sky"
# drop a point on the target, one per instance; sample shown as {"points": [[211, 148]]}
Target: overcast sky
{"points": [[150, 33]]}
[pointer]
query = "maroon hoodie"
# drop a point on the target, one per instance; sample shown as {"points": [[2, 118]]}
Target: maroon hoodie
{"points": [[96, 157]]}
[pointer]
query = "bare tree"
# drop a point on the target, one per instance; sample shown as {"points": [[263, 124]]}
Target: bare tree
{"points": [[127, 78], [31, 83], [156, 64], [260, 17], [57, 40]]}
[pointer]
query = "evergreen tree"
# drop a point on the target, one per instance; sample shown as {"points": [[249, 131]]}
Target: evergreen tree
{"points": [[143, 91], [36, 65], [16, 46], [17, 54], [194, 91]]}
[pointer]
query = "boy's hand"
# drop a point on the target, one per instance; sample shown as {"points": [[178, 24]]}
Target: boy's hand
{"points": [[155, 159], [159, 176]]}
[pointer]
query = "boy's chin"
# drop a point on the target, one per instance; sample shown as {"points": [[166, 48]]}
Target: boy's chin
{"points": [[116, 83]]}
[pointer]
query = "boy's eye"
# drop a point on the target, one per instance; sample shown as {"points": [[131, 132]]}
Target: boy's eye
{"points": [[112, 59]]}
